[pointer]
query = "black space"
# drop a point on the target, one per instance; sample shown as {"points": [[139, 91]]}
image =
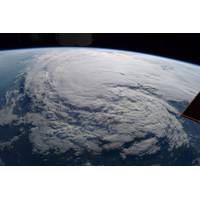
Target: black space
{"points": [[184, 47]]}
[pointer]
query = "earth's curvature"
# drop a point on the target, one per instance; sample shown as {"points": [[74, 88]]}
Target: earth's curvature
{"points": [[87, 106]]}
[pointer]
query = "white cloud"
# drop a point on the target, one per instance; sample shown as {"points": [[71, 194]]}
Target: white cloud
{"points": [[94, 101]]}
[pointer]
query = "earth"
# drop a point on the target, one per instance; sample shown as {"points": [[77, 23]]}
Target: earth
{"points": [[90, 106]]}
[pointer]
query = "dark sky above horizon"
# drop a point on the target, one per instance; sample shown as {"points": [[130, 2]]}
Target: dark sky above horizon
{"points": [[184, 47]]}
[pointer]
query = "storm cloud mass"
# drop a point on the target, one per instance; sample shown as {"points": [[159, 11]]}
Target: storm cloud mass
{"points": [[82, 106]]}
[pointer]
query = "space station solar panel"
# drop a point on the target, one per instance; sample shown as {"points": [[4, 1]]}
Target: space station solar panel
{"points": [[193, 110]]}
